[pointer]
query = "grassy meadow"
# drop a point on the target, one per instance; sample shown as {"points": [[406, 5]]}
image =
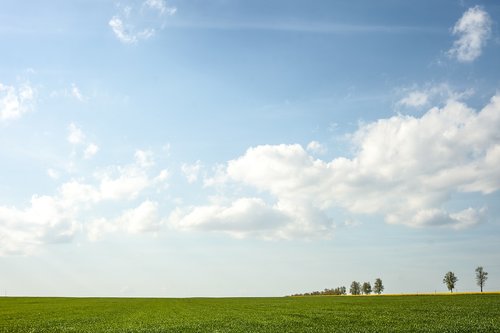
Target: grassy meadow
{"points": [[423, 313]]}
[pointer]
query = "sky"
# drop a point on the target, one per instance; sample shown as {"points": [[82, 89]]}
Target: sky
{"points": [[247, 148]]}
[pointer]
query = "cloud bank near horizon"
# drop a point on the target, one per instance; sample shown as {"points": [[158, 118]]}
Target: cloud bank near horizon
{"points": [[404, 168]]}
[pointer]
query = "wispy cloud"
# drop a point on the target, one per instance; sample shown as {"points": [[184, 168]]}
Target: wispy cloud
{"points": [[473, 30], [140, 22], [90, 151], [77, 137], [76, 93], [191, 171], [415, 99], [16, 100], [75, 134], [316, 148], [431, 94]]}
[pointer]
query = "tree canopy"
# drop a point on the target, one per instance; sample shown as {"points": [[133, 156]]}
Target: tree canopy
{"points": [[378, 287], [450, 280], [355, 288]]}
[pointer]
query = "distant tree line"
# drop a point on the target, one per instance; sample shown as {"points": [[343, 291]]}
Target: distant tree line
{"points": [[330, 292], [356, 289], [450, 280]]}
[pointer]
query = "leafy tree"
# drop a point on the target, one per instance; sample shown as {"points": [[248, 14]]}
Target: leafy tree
{"points": [[367, 288], [481, 277], [450, 279], [355, 288], [378, 287]]}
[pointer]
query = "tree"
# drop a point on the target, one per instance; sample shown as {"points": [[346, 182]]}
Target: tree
{"points": [[481, 277], [367, 288], [378, 287], [450, 279], [355, 288]]}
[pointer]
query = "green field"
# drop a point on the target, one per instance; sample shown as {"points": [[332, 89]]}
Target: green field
{"points": [[458, 313]]}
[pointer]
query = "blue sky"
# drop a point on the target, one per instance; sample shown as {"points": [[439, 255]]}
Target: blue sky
{"points": [[247, 148]]}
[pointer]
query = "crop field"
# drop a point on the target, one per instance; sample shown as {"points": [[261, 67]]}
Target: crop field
{"points": [[457, 313]]}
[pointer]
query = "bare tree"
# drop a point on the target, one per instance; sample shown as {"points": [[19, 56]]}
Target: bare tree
{"points": [[450, 279], [481, 277]]}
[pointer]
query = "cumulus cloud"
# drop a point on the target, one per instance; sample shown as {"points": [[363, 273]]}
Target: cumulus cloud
{"points": [[405, 168], [15, 101], [45, 220], [59, 217], [240, 218], [143, 218], [127, 184], [133, 23], [473, 30]]}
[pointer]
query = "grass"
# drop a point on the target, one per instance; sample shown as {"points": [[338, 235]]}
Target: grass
{"points": [[439, 313]]}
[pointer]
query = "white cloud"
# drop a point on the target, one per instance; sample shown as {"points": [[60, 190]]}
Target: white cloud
{"points": [[191, 171], [144, 218], [123, 182], [439, 217], [121, 32], [162, 176], [15, 101], [405, 168], [54, 218], [473, 30], [75, 134], [160, 6], [113, 184], [239, 218], [99, 227], [132, 24], [436, 94], [77, 137], [90, 151], [415, 99], [45, 220], [141, 219], [144, 158], [316, 147], [75, 92], [53, 173]]}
